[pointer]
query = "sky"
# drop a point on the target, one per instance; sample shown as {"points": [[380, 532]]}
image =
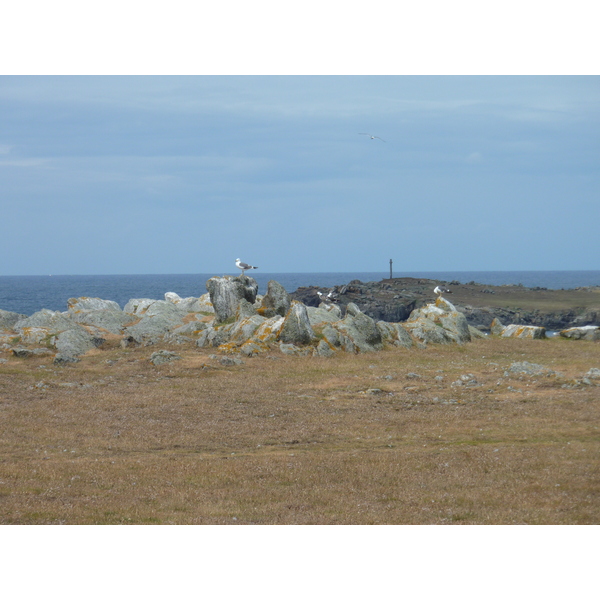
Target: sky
{"points": [[132, 165]]}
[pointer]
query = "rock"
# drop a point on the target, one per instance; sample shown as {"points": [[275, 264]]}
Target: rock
{"points": [[201, 304], [395, 334], [245, 328], [191, 328], [173, 297], [111, 320], [228, 361], [588, 332], [296, 327], [332, 337], [226, 293], [21, 352], [323, 314], [214, 336], [444, 304], [524, 331], [593, 373], [62, 359], [136, 306], [324, 349], [75, 342], [476, 334], [245, 309], [8, 319], [293, 350], [84, 303], [191, 304], [163, 356], [276, 301], [268, 331], [252, 348], [360, 333], [528, 368], [439, 324], [148, 331], [496, 328], [34, 335], [54, 322]]}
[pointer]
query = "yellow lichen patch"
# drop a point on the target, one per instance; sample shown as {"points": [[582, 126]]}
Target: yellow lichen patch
{"points": [[229, 348]]}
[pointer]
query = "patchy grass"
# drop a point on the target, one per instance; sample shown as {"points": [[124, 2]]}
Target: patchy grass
{"points": [[381, 438]]}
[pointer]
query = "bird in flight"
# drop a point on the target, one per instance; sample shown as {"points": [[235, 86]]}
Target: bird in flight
{"points": [[243, 266], [373, 137]]}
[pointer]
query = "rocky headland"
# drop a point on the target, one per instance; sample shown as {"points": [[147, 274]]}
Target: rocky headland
{"points": [[394, 300], [358, 317]]}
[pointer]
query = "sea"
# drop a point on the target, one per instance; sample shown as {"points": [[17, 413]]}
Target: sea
{"points": [[27, 294]]}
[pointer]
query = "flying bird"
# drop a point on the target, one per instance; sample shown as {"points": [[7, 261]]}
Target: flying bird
{"points": [[373, 137], [243, 266], [439, 290]]}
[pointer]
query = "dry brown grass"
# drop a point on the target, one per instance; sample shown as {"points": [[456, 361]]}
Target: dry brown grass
{"points": [[287, 440]]}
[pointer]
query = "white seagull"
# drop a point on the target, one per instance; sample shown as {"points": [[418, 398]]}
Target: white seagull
{"points": [[441, 290], [373, 137], [243, 266], [330, 297]]}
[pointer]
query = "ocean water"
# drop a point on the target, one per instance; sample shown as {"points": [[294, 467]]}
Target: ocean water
{"points": [[28, 294]]}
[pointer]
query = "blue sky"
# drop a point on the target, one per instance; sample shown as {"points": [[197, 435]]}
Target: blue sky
{"points": [[183, 174]]}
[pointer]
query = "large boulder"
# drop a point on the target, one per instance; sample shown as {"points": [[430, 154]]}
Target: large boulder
{"points": [[588, 332], [245, 328], [325, 313], [8, 319], [523, 331], [75, 342], [54, 322], [191, 304], [395, 334], [212, 337], [226, 293], [296, 327], [276, 301], [137, 306], [112, 321], [438, 323], [157, 320], [496, 327], [85, 303], [359, 332]]}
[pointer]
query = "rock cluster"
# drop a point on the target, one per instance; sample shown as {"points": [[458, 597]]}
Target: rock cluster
{"points": [[517, 331], [231, 317]]}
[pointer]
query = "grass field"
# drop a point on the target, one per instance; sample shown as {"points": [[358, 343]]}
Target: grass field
{"points": [[382, 438]]}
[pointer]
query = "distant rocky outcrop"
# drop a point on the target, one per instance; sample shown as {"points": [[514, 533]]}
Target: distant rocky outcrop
{"points": [[393, 300]]}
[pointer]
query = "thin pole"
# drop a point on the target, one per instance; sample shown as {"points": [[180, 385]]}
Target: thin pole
{"points": [[390, 268]]}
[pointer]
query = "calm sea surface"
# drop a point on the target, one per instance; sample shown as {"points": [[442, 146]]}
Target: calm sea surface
{"points": [[28, 294]]}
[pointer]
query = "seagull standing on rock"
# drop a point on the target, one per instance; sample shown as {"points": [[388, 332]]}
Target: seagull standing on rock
{"points": [[439, 290], [328, 298], [243, 266]]}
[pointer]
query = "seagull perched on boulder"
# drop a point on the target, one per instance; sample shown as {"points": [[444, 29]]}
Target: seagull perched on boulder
{"points": [[373, 137], [243, 266], [330, 297], [439, 290]]}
